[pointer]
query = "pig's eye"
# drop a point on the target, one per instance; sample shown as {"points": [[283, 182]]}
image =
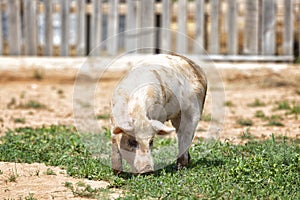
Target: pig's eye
{"points": [[133, 143], [151, 143]]}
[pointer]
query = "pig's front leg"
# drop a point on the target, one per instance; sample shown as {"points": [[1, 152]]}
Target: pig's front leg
{"points": [[116, 158], [185, 130]]}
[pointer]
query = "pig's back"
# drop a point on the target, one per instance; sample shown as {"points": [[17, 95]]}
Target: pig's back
{"points": [[182, 66]]}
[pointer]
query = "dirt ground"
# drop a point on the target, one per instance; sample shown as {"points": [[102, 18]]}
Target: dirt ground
{"points": [[35, 98]]}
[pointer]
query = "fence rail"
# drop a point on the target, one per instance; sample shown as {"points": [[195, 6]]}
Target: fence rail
{"points": [[225, 29]]}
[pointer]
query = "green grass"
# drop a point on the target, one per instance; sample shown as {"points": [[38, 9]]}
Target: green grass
{"points": [[33, 104], [247, 135], [30, 197], [206, 117], [103, 116], [283, 105], [20, 120], [273, 120], [256, 103], [49, 172], [229, 104], [260, 114], [244, 122], [267, 169]]}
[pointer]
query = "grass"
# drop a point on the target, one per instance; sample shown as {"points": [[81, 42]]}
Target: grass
{"points": [[82, 189], [20, 120], [229, 104], [273, 120], [206, 117], [30, 197], [256, 103], [38, 74], [293, 109], [33, 104], [49, 171], [103, 116], [267, 169], [283, 105], [244, 122], [12, 177], [246, 135], [260, 114]]}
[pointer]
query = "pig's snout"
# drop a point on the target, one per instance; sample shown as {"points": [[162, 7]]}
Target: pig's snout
{"points": [[146, 170], [144, 164]]}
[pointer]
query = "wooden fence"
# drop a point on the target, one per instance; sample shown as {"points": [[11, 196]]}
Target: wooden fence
{"points": [[225, 29]]}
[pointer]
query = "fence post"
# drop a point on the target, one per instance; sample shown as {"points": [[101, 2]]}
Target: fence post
{"points": [[96, 27], [268, 27], [251, 27], [147, 32], [112, 31], [182, 26], [81, 28], [165, 31], [131, 26], [65, 27], [214, 38], [30, 27], [232, 34], [288, 28], [48, 28], [199, 46], [1, 33], [14, 29]]}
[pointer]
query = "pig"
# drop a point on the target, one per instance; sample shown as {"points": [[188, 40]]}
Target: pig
{"points": [[160, 88]]}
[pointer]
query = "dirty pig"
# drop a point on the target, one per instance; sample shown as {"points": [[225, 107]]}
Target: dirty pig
{"points": [[159, 88]]}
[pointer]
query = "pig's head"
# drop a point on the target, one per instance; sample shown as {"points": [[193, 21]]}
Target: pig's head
{"points": [[134, 143]]}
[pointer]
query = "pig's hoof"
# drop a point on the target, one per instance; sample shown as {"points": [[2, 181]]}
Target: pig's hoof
{"points": [[117, 172], [183, 161]]}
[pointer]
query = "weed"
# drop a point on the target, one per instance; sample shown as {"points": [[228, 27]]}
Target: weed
{"points": [[274, 120], [103, 116], [206, 117], [274, 123], [68, 185], [283, 105], [256, 103], [60, 92], [82, 190], [260, 114], [80, 184], [294, 110], [30, 197], [244, 122], [229, 104], [20, 120], [32, 104], [247, 135], [12, 102], [22, 95], [12, 178], [38, 74], [49, 171]]}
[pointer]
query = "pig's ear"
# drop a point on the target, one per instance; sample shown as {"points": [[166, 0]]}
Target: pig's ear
{"points": [[161, 128], [124, 128]]}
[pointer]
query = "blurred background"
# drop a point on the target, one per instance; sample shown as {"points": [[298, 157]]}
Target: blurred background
{"points": [[240, 30]]}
